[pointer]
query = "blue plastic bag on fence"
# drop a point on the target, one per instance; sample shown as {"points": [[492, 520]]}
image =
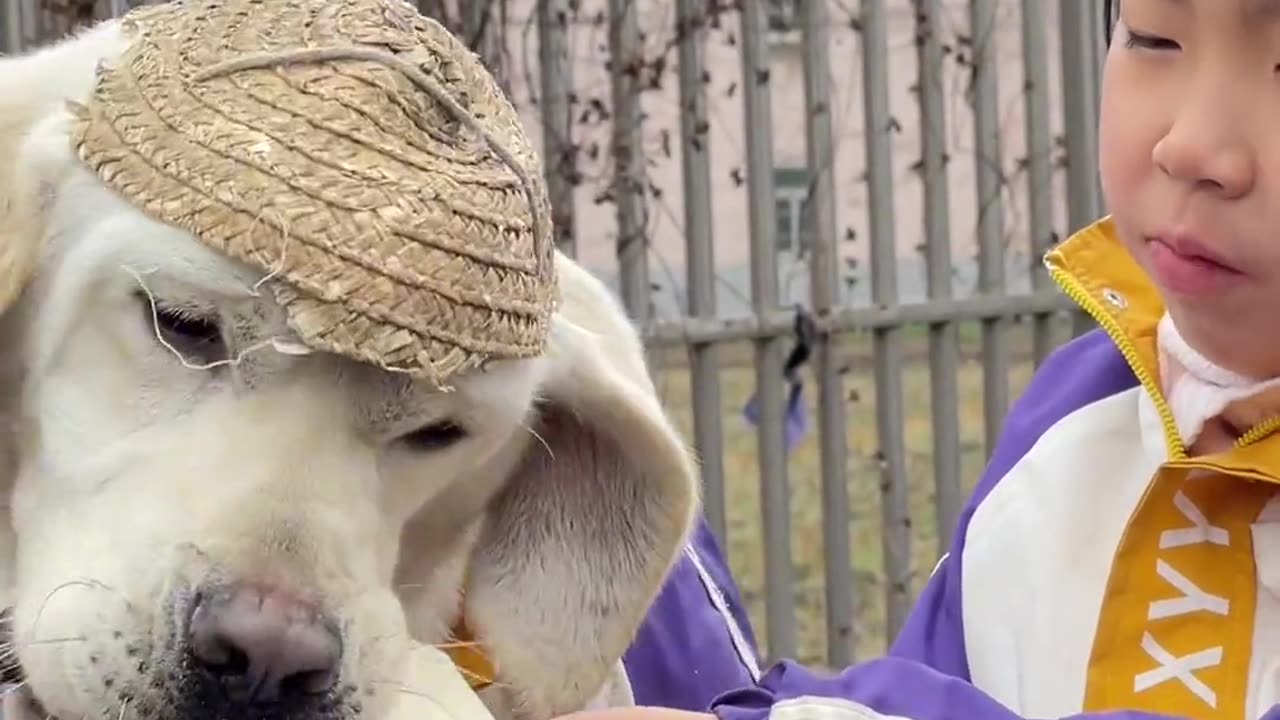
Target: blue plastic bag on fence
{"points": [[795, 418], [796, 412]]}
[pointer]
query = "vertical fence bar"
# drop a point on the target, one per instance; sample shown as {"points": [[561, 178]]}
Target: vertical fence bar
{"points": [[1035, 68], [991, 255], [557, 124], [31, 23], [1077, 23], [884, 291], [482, 32], [42, 23], [1098, 47], [11, 25], [775, 501], [626, 63], [944, 349], [704, 358], [825, 296]]}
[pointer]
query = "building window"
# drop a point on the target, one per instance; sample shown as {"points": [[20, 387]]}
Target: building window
{"points": [[782, 15], [791, 201]]}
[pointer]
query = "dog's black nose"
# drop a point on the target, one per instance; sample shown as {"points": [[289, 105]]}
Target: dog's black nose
{"points": [[262, 646]]}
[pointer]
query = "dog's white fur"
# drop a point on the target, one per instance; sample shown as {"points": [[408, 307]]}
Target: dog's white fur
{"points": [[133, 477]]}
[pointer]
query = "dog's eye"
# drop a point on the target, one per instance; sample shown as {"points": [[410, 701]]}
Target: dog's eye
{"points": [[436, 436], [197, 338]]}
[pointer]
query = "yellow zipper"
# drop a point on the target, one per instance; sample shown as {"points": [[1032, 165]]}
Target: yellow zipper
{"points": [[1075, 290], [1259, 431]]}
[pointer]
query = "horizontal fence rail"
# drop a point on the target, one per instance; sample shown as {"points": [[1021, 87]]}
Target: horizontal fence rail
{"points": [[800, 202]]}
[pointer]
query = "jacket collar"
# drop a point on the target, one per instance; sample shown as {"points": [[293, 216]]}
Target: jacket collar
{"points": [[1096, 271]]}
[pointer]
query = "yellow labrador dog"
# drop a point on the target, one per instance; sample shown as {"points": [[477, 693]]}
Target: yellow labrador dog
{"points": [[199, 532]]}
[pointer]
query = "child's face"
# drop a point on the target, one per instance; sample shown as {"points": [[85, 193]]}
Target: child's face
{"points": [[1190, 164]]}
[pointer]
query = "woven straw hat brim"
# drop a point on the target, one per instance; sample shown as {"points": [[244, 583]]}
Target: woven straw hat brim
{"points": [[394, 231]]}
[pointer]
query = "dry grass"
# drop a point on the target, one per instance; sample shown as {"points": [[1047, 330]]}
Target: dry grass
{"points": [[745, 543]]}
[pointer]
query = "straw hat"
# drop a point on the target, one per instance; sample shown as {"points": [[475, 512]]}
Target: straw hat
{"points": [[355, 152]]}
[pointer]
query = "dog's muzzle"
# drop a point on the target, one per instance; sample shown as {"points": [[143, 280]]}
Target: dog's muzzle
{"points": [[256, 651], [237, 650]]}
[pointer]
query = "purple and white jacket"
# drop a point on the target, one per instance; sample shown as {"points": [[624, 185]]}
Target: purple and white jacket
{"points": [[1099, 570], [696, 650]]}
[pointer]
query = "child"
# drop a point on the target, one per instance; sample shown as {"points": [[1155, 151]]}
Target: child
{"points": [[1121, 555]]}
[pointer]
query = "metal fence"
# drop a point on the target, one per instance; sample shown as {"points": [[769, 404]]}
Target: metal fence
{"points": [[1076, 28], [702, 330]]}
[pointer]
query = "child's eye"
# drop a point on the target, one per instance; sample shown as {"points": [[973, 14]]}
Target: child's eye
{"points": [[1143, 41]]}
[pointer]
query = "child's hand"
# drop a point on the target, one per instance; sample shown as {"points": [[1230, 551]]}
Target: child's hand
{"points": [[638, 713]]}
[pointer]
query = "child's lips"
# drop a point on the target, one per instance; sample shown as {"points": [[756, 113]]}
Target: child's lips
{"points": [[1185, 266]]}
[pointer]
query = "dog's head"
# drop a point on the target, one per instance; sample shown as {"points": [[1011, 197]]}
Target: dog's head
{"points": [[207, 519]]}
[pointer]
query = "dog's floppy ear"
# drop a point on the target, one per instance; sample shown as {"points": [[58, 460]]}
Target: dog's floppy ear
{"points": [[578, 542]]}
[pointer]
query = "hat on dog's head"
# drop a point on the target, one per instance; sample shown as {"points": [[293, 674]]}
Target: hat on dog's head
{"points": [[356, 153]]}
